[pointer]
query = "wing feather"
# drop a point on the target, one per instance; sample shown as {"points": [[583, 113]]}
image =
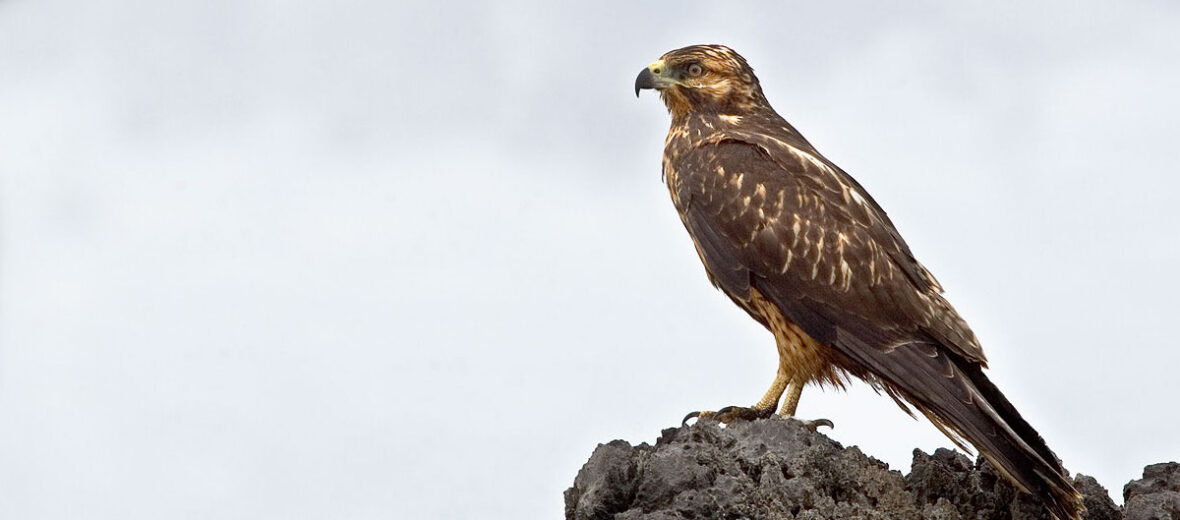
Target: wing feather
{"points": [[804, 229]]}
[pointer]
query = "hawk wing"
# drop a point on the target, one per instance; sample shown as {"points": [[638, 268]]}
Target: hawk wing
{"points": [[774, 213]]}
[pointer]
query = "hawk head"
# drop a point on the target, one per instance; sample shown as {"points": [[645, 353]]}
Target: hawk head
{"points": [[703, 78]]}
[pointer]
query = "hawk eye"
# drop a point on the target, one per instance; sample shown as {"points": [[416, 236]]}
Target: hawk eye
{"points": [[695, 69]]}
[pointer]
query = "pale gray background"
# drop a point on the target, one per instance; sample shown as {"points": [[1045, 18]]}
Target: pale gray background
{"points": [[370, 260]]}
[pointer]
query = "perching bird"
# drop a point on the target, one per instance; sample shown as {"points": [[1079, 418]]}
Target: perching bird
{"points": [[799, 245]]}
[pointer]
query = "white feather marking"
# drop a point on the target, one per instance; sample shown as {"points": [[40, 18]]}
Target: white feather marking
{"points": [[819, 256], [845, 270], [803, 155], [796, 226], [846, 273], [856, 196]]}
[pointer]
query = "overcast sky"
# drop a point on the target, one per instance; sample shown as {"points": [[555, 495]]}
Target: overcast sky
{"points": [[403, 260]]}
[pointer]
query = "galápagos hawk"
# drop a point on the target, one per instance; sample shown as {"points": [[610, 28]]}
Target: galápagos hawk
{"points": [[799, 245]]}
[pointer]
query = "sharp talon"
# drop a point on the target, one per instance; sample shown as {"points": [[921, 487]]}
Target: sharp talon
{"points": [[814, 425], [700, 416], [728, 414]]}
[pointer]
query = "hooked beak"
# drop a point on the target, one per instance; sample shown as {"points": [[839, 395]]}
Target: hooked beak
{"points": [[655, 76]]}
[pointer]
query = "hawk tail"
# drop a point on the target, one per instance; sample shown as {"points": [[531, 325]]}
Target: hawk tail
{"points": [[970, 407], [1024, 457]]}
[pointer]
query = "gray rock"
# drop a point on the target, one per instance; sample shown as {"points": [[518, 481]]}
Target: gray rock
{"points": [[778, 469], [974, 489], [1156, 496], [1099, 506], [767, 469]]}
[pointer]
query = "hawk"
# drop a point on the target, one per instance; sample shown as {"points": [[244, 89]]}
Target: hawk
{"points": [[799, 245]]}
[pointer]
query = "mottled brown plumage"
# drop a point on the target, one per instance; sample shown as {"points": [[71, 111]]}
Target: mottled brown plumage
{"points": [[800, 246]]}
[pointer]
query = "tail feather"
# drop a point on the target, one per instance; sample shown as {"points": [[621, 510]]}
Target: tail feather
{"points": [[964, 404], [968, 407], [1043, 473]]}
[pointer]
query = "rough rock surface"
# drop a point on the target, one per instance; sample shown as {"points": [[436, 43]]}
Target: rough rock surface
{"points": [[1156, 496], [779, 469]]}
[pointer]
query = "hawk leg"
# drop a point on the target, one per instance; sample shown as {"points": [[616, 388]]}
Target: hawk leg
{"points": [[765, 406], [794, 390], [799, 356], [799, 360]]}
